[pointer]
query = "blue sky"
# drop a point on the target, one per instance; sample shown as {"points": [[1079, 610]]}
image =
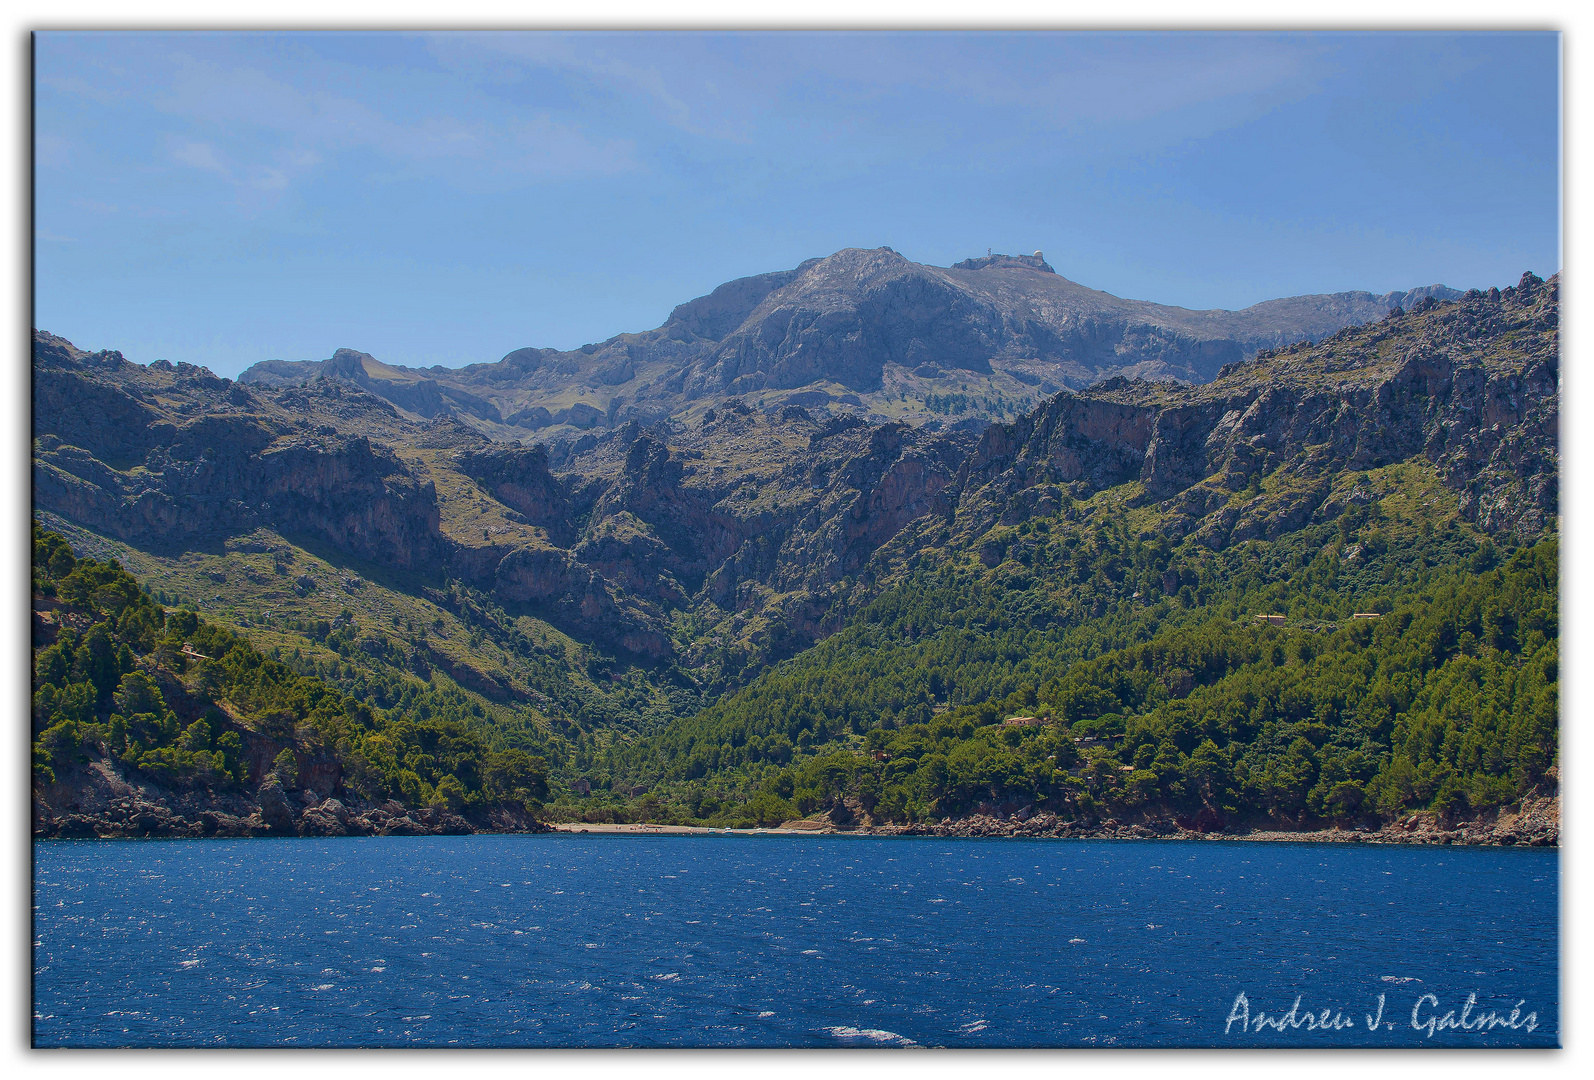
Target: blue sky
{"points": [[446, 198]]}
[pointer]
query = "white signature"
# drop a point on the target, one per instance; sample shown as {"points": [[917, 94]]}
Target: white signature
{"points": [[1425, 1016]]}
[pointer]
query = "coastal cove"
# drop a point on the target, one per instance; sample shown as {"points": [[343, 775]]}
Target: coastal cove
{"points": [[566, 939], [580, 538]]}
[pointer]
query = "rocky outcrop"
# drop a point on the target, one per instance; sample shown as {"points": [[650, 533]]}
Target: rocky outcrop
{"points": [[575, 596], [98, 798], [1471, 386], [519, 477], [343, 491], [687, 533], [106, 456], [768, 533], [899, 478], [1535, 822]]}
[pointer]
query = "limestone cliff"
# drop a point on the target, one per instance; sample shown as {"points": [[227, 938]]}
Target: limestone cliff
{"points": [[174, 456]]}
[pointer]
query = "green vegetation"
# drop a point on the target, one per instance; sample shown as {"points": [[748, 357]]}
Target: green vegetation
{"points": [[1448, 702], [986, 405], [122, 671], [1159, 687], [428, 652]]}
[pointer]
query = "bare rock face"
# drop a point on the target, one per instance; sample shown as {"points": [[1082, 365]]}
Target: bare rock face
{"points": [[275, 809], [717, 315], [573, 595], [109, 456], [846, 317], [899, 479], [686, 534], [519, 477], [327, 818]]}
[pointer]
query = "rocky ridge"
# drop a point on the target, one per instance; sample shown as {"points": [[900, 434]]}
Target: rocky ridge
{"points": [[1471, 386], [168, 456]]}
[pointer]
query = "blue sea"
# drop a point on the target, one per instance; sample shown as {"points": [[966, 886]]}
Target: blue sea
{"points": [[586, 940]]}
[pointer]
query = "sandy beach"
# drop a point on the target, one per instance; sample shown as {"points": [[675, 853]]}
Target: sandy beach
{"points": [[648, 830]]}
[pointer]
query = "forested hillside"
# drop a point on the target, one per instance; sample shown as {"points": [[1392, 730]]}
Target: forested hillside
{"points": [[1447, 702], [1174, 696], [123, 688]]}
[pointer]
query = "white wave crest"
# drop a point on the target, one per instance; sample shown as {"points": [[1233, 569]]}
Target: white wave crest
{"points": [[872, 1034]]}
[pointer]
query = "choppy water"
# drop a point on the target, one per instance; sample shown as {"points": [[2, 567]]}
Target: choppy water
{"points": [[784, 941]]}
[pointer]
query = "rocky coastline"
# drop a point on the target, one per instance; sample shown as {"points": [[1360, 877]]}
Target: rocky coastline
{"points": [[106, 805], [1536, 823]]}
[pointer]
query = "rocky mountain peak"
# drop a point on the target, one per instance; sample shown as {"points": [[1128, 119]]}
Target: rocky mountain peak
{"points": [[347, 364], [999, 261]]}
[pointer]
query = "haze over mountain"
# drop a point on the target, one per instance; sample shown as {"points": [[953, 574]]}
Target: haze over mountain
{"points": [[863, 331]]}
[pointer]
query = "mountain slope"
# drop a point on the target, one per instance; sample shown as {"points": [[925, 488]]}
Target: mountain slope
{"points": [[1181, 708], [587, 596]]}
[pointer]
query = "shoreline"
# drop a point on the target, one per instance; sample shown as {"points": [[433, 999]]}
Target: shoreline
{"points": [[1534, 823], [1322, 836], [1316, 836], [1537, 826]]}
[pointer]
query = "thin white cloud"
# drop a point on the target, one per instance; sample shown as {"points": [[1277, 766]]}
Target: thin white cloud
{"points": [[78, 86], [503, 56], [198, 155], [725, 86], [599, 103], [314, 124]]}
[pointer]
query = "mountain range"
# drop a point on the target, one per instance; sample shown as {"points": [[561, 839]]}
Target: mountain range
{"points": [[608, 599], [865, 332]]}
